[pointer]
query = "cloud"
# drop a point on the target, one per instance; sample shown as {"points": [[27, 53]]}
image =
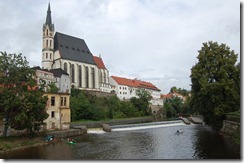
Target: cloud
{"points": [[155, 40]]}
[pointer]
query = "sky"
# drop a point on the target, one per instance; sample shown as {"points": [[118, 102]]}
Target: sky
{"points": [[151, 40]]}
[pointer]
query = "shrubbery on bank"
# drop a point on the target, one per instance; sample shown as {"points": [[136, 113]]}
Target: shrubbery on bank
{"points": [[85, 106]]}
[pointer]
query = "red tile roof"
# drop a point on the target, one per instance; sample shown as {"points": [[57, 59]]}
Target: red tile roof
{"points": [[99, 62], [171, 95], [134, 83]]}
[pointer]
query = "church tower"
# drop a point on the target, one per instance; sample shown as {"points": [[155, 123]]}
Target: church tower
{"points": [[48, 41]]}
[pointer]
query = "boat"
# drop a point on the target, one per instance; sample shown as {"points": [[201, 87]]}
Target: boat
{"points": [[69, 141], [178, 132]]}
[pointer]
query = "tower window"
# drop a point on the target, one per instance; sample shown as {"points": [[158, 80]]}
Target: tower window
{"points": [[50, 43], [47, 32], [46, 55], [50, 55], [46, 42]]}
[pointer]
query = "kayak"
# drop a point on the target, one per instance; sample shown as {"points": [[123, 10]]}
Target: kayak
{"points": [[70, 142], [178, 133]]}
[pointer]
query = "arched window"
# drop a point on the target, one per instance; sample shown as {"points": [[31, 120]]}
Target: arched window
{"points": [[46, 32], [50, 55], [50, 43], [100, 76], [87, 77], [104, 77], [46, 43], [46, 55], [93, 77], [65, 67], [80, 76], [73, 73]]}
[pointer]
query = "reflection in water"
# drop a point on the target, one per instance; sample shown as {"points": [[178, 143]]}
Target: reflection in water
{"points": [[197, 142]]}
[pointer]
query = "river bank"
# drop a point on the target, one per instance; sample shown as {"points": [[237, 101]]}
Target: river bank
{"points": [[15, 143]]}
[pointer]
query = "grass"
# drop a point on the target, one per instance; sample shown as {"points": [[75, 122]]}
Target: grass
{"points": [[11, 142]]}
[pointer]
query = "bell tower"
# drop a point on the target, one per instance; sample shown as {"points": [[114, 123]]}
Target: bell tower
{"points": [[48, 41]]}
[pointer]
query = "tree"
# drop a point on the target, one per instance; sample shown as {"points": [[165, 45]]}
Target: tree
{"points": [[173, 106], [215, 83], [22, 105], [142, 103]]}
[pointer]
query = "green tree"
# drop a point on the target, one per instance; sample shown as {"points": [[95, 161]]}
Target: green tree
{"points": [[20, 98], [80, 106], [173, 106], [142, 103], [215, 83]]}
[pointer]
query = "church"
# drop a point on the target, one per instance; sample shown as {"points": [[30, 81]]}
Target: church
{"points": [[87, 72]]}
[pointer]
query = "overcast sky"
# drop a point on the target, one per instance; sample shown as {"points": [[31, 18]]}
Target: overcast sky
{"points": [[152, 40]]}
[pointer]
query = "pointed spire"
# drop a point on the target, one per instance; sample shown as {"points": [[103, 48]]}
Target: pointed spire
{"points": [[49, 18]]}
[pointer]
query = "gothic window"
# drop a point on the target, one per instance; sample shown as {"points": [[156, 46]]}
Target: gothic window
{"points": [[46, 43], [87, 77], [50, 43], [46, 55], [93, 77], [104, 77], [73, 73], [50, 55], [100, 76], [46, 32], [80, 76], [65, 67]]}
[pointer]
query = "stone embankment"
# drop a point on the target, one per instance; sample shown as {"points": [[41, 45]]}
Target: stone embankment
{"points": [[230, 127]]}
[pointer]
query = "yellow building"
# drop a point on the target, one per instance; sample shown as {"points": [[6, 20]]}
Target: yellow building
{"points": [[58, 109]]}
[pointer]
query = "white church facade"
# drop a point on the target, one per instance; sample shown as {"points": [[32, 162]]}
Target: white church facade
{"points": [[73, 56]]}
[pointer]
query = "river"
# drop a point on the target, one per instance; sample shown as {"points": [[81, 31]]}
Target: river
{"points": [[148, 142]]}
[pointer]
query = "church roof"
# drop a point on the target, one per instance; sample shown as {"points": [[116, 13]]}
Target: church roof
{"points": [[72, 48], [99, 62]]}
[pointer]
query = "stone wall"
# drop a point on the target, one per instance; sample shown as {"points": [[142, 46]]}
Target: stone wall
{"points": [[69, 133], [229, 127], [99, 93]]}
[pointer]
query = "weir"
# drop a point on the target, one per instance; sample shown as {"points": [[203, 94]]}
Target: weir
{"points": [[146, 125], [138, 126]]}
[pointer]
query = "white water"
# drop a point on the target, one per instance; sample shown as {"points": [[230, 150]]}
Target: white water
{"points": [[147, 127], [135, 127], [95, 131]]}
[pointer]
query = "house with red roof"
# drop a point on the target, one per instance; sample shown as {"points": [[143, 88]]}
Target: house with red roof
{"points": [[172, 95], [126, 88]]}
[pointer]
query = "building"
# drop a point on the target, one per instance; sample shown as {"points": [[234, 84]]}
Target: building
{"points": [[57, 76], [103, 75], [72, 55], [58, 109], [172, 95], [126, 88], [58, 104]]}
